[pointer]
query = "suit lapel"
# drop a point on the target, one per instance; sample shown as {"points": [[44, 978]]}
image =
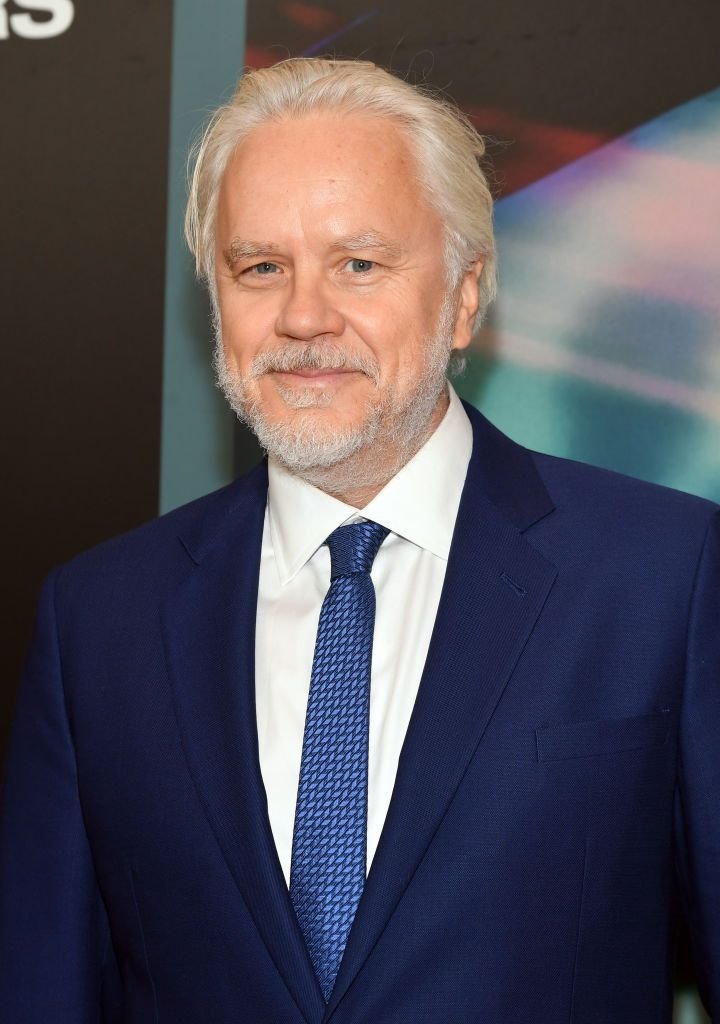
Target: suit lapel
{"points": [[209, 632], [495, 587]]}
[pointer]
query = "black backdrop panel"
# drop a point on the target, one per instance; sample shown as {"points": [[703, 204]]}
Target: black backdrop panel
{"points": [[83, 170], [548, 81]]}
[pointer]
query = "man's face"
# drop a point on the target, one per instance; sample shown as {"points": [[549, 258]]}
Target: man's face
{"points": [[335, 317]]}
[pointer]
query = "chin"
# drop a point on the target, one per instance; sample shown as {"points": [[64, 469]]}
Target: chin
{"points": [[313, 438]]}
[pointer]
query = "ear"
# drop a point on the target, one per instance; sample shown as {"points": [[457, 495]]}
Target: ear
{"points": [[469, 302]]}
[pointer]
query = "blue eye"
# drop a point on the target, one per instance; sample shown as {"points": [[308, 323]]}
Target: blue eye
{"points": [[265, 268], [361, 266]]}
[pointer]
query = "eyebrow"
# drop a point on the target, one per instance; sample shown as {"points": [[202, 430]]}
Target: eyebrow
{"points": [[239, 249], [370, 240]]}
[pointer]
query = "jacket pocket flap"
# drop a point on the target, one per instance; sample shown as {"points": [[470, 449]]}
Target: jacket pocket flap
{"points": [[609, 736]]}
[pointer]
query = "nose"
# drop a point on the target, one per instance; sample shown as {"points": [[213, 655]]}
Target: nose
{"points": [[308, 310]]}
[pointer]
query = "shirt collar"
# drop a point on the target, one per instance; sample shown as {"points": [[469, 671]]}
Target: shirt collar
{"points": [[419, 503]]}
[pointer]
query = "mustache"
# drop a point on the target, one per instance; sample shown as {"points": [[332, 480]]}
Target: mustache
{"points": [[313, 356]]}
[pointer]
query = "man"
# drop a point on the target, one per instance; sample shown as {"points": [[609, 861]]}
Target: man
{"points": [[210, 814]]}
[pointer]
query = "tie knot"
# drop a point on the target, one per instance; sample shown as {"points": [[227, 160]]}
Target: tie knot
{"points": [[353, 548]]}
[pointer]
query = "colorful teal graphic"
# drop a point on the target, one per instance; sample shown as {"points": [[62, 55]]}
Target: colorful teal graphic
{"points": [[604, 345]]}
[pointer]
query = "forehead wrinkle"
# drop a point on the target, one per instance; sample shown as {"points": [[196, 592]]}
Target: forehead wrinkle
{"points": [[240, 249]]}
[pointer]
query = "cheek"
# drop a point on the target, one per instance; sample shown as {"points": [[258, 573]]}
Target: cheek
{"points": [[393, 337], [232, 346], [400, 322], [244, 333]]}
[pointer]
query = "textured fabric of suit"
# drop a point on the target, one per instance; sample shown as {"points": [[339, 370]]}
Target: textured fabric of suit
{"points": [[555, 802]]}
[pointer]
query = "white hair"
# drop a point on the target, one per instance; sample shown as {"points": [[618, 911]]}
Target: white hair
{"points": [[446, 146]]}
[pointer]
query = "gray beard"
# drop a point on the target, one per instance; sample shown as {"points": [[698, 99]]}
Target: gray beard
{"points": [[339, 461]]}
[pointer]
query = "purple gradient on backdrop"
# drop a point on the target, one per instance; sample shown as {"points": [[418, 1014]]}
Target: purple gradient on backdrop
{"points": [[323, 43]]}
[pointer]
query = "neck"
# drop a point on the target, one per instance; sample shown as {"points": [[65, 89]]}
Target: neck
{"points": [[357, 479]]}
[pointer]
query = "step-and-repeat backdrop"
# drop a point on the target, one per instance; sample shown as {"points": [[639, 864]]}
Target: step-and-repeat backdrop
{"points": [[604, 135]]}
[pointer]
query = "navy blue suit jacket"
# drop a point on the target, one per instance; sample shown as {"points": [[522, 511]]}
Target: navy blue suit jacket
{"points": [[557, 800]]}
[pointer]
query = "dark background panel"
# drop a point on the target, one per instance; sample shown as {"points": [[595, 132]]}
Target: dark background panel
{"points": [[549, 81], [84, 154]]}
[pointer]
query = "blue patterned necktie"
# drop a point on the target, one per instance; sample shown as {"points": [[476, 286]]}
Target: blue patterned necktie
{"points": [[327, 872]]}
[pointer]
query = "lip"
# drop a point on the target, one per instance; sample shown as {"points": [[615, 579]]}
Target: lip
{"points": [[315, 376]]}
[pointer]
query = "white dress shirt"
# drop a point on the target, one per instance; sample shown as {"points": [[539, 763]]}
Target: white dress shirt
{"points": [[419, 507]]}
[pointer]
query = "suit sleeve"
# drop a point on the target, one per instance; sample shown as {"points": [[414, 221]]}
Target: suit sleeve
{"points": [[698, 790], [52, 934]]}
